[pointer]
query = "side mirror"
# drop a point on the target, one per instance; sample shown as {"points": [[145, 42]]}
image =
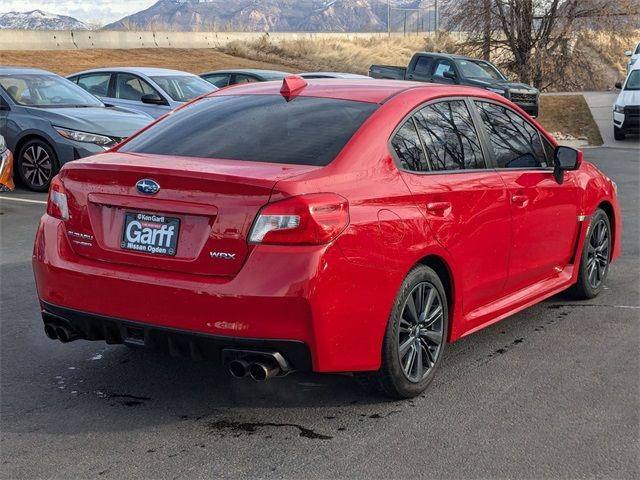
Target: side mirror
{"points": [[618, 85], [4, 106], [153, 99], [628, 53], [565, 159]]}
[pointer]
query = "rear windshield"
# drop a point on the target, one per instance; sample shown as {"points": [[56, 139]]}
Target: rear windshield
{"points": [[259, 128]]}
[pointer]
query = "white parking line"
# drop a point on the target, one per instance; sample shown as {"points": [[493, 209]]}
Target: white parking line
{"points": [[24, 200]]}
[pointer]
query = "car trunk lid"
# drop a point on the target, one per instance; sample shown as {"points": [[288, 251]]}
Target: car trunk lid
{"points": [[197, 222]]}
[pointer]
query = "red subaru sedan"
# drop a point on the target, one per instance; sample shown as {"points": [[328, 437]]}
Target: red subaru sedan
{"points": [[326, 226]]}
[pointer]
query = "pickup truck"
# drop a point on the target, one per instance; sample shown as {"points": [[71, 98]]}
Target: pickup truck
{"points": [[458, 70]]}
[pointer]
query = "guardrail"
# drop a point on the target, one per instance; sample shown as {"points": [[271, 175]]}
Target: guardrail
{"points": [[68, 40]]}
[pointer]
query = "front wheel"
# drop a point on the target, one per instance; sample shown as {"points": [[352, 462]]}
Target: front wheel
{"points": [[619, 133], [415, 338], [36, 164], [594, 261]]}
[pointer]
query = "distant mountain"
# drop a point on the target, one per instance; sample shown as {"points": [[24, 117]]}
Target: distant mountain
{"points": [[39, 20], [263, 15]]}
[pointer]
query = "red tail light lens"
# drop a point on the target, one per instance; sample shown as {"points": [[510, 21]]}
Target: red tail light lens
{"points": [[311, 219], [57, 203]]}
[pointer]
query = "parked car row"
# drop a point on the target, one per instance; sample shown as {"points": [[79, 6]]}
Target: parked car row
{"points": [[48, 120]]}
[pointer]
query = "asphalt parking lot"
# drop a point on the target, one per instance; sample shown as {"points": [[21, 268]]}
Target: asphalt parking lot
{"points": [[551, 392]]}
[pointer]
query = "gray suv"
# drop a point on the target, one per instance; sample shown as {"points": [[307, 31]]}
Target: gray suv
{"points": [[48, 121]]}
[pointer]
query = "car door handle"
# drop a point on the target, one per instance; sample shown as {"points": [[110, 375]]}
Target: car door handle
{"points": [[438, 206], [519, 199]]}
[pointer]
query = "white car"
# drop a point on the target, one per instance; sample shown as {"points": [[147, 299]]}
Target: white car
{"points": [[626, 110], [633, 56]]}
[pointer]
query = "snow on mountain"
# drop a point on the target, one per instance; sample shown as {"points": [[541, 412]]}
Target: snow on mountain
{"points": [[39, 20]]}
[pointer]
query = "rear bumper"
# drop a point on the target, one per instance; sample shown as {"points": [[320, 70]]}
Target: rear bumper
{"points": [[179, 343], [306, 295]]}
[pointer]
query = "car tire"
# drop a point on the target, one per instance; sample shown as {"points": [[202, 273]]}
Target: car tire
{"points": [[36, 165], [415, 337], [595, 258], [619, 133]]}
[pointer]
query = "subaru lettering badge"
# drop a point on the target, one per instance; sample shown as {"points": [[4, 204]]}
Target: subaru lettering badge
{"points": [[148, 186]]}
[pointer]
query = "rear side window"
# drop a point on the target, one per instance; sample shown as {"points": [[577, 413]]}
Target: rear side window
{"points": [[260, 128], [449, 136], [423, 65], [408, 148], [97, 84], [219, 79], [515, 142]]}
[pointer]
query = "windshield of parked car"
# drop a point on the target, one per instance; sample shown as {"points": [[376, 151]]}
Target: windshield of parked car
{"points": [[259, 128], [480, 69], [633, 82], [46, 91], [183, 88]]}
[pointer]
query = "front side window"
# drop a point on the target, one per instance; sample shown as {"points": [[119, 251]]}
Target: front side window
{"points": [[406, 144], [515, 142], [46, 91], [259, 128], [96, 84], [441, 67], [449, 136], [131, 87]]}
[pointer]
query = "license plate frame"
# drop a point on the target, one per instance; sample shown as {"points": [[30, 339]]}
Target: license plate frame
{"points": [[154, 234]]}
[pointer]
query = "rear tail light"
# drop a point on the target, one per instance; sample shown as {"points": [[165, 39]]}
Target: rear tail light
{"points": [[303, 220], [57, 203]]}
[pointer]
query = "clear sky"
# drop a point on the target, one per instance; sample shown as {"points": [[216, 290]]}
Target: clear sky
{"points": [[91, 11]]}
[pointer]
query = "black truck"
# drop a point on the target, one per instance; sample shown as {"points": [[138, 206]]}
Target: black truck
{"points": [[458, 70]]}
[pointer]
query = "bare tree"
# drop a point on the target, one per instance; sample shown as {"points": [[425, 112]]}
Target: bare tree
{"points": [[536, 38]]}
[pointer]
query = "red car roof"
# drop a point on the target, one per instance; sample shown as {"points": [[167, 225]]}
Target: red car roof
{"points": [[373, 91]]}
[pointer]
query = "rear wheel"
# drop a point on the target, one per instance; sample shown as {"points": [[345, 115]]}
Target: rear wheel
{"points": [[619, 133], [415, 338], [36, 165], [594, 262]]}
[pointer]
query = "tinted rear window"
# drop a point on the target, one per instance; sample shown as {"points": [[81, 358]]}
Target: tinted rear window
{"points": [[260, 128]]}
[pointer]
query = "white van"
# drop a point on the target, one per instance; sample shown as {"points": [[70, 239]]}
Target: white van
{"points": [[626, 110]]}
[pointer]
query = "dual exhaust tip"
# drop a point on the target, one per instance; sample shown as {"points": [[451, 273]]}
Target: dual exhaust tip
{"points": [[261, 365], [60, 332], [258, 370]]}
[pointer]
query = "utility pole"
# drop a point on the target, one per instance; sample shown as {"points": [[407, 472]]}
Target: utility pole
{"points": [[486, 42], [389, 17], [405, 24], [436, 20]]}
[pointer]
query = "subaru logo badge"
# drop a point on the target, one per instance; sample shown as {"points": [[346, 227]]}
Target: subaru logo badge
{"points": [[148, 186]]}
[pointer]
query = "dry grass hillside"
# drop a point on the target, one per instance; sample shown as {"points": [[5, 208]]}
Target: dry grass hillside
{"points": [[65, 62], [340, 55], [610, 46]]}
